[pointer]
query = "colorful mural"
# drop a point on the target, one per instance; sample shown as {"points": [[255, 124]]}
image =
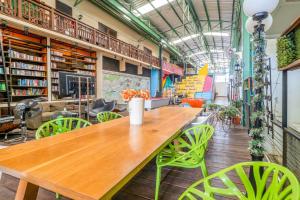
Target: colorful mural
{"points": [[114, 83]]}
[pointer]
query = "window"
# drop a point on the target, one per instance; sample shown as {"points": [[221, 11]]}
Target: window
{"points": [[147, 51], [106, 29], [64, 8]]}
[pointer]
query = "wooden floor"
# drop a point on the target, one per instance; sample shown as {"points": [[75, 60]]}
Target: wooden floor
{"points": [[225, 149]]}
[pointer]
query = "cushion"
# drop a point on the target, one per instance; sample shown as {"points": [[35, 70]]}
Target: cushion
{"points": [[57, 106], [45, 106], [46, 116]]}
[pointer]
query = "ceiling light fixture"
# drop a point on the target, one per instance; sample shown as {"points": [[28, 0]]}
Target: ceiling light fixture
{"points": [[216, 34], [148, 7], [185, 38], [205, 52]]}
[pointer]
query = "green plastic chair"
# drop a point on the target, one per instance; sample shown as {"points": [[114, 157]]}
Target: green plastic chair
{"points": [[60, 125], [274, 182], [186, 151], [107, 116]]}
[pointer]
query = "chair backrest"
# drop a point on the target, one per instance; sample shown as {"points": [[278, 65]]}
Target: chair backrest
{"points": [[272, 182], [107, 116], [194, 141], [60, 125]]}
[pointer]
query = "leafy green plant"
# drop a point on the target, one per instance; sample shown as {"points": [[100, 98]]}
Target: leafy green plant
{"points": [[237, 103], [297, 42], [285, 51], [230, 112], [212, 107]]}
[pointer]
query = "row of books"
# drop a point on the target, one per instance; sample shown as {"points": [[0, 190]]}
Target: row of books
{"points": [[85, 73], [90, 59], [90, 67], [28, 92], [54, 80], [16, 54], [54, 88], [32, 82], [58, 59], [55, 75], [27, 73], [27, 66], [56, 53]]}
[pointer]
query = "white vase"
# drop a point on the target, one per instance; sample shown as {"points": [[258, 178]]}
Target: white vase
{"points": [[136, 111]]}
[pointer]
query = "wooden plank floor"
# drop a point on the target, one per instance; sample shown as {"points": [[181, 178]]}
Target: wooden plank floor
{"points": [[225, 149]]}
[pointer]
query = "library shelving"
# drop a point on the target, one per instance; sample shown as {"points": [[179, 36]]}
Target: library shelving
{"points": [[70, 59], [24, 55]]}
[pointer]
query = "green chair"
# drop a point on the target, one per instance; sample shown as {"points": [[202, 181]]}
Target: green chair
{"points": [[107, 116], [60, 125], [186, 151], [274, 182]]}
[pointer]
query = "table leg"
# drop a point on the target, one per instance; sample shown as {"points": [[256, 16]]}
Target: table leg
{"points": [[26, 191]]}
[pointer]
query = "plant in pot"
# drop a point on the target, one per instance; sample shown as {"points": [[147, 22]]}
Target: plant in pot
{"points": [[237, 104], [136, 103], [229, 112]]}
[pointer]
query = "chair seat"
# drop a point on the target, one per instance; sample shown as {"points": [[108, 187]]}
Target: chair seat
{"points": [[177, 158]]}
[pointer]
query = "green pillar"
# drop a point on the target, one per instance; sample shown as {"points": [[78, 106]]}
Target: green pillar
{"points": [[247, 69]]}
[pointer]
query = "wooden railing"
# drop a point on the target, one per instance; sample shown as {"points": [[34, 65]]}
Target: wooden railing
{"points": [[44, 16]]}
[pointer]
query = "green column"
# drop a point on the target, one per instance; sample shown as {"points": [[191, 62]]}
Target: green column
{"points": [[247, 69]]}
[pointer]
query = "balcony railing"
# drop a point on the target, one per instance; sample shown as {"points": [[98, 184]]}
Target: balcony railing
{"points": [[49, 18]]}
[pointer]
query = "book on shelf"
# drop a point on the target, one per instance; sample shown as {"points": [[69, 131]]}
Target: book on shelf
{"points": [[21, 65], [32, 82], [27, 73], [19, 55], [1, 70]]}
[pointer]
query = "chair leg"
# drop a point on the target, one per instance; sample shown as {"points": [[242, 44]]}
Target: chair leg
{"points": [[203, 169], [158, 177], [205, 174]]}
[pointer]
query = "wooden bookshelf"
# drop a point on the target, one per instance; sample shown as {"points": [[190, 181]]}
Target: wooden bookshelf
{"points": [[72, 59], [26, 67]]}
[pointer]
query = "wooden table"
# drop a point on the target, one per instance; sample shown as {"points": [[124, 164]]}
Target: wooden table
{"points": [[93, 162]]}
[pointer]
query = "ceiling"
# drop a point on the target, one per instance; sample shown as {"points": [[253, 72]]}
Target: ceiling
{"points": [[188, 25]]}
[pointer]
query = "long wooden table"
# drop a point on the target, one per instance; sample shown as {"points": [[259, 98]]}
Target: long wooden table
{"points": [[94, 162]]}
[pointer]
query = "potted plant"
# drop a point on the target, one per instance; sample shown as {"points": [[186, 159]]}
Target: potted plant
{"points": [[136, 104], [237, 104], [229, 112]]}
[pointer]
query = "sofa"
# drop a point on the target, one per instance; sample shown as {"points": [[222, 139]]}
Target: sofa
{"points": [[51, 108]]}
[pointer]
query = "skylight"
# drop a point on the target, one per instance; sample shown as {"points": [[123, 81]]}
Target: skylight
{"points": [[216, 34], [148, 7], [185, 38]]}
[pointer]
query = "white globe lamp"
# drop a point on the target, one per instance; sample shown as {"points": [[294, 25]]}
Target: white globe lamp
{"points": [[252, 7], [250, 24]]}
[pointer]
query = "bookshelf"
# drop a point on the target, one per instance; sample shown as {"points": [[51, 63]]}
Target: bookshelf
{"points": [[25, 64], [70, 58]]}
